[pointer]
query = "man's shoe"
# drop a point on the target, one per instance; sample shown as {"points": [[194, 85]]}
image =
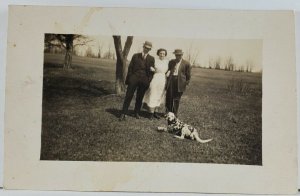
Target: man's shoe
{"points": [[122, 117], [137, 116], [156, 115], [151, 117]]}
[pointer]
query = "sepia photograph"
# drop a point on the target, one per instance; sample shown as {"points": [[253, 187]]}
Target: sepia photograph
{"points": [[125, 99], [151, 99]]}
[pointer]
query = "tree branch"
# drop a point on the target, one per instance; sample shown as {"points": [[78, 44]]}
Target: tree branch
{"points": [[118, 46], [83, 43], [127, 46]]}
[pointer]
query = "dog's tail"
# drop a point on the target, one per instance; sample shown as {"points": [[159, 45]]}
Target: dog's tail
{"points": [[198, 139]]}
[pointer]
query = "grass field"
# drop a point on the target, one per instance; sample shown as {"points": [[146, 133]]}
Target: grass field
{"points": [[80, 117]]}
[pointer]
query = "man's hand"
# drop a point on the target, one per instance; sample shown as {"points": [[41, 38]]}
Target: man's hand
{"points": [[168, 73]]}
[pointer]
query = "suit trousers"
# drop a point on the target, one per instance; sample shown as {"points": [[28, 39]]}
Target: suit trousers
{"points": [[140, 84], [173, 96]]}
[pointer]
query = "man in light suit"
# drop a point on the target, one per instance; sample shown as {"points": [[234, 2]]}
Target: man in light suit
{"points": [[178, 79], [139, 76]]}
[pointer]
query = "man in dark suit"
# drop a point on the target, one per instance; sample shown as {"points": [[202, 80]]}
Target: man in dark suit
{"points": [[178, 79], [139, 76]]}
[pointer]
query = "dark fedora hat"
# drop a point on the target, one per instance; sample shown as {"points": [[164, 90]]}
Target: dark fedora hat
{"points": [[178, 52], [148, 44]]}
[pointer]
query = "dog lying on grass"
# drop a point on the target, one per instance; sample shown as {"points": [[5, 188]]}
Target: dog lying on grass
{"points": [[181, 130]]}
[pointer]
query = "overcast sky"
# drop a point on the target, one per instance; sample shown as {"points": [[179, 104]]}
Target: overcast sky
{"points": [[241, 51]]}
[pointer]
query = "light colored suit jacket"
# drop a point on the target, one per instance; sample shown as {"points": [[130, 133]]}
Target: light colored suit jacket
{"points": [[184, 73]]}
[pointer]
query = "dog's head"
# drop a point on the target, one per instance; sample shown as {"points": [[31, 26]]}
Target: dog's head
{"points": [[170, 116]]}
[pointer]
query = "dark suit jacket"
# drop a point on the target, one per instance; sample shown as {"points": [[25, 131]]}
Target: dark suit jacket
{"points": [[136, 64], [184, 73]]}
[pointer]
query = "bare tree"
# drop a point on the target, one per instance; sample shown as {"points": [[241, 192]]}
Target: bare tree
{"points": [[192, 54], [217, 63], [121, 64], [241, 68], [67, 42], [211, 63], [89, 52], [249, 66], [77, 52], [100, 46], [109, 54], [228, 64]]}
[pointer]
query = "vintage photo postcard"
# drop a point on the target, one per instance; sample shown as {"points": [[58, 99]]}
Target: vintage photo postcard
{"points": [[148, 100]]}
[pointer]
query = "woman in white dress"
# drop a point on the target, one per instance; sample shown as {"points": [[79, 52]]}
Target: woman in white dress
{"points": [[155, 95]]}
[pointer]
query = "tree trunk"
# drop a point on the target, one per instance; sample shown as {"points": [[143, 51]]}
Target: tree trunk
{"points": [[69, 51], [121, 65]]}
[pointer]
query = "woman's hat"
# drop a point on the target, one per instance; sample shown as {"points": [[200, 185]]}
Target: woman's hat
{"points": [[178, 52]]}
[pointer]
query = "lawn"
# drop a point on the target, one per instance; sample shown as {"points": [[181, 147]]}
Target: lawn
{"points": [[80, 117]]}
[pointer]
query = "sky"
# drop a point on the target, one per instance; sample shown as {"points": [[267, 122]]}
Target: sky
{"points": [[240, 50]]}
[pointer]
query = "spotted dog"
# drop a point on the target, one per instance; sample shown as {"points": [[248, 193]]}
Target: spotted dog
{"points": [[180, 129]]}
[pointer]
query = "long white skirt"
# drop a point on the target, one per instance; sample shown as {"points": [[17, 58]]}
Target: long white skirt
{"points": [[155, 95]]}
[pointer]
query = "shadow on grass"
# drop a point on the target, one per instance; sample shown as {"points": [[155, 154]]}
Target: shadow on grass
{"points": [[114, 111], [53, 65], [117, 113], [64, 86]]}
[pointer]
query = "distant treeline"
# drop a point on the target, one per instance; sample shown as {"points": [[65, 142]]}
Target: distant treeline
{"points": [[227, 64], [217, 63], [109, 54]]}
